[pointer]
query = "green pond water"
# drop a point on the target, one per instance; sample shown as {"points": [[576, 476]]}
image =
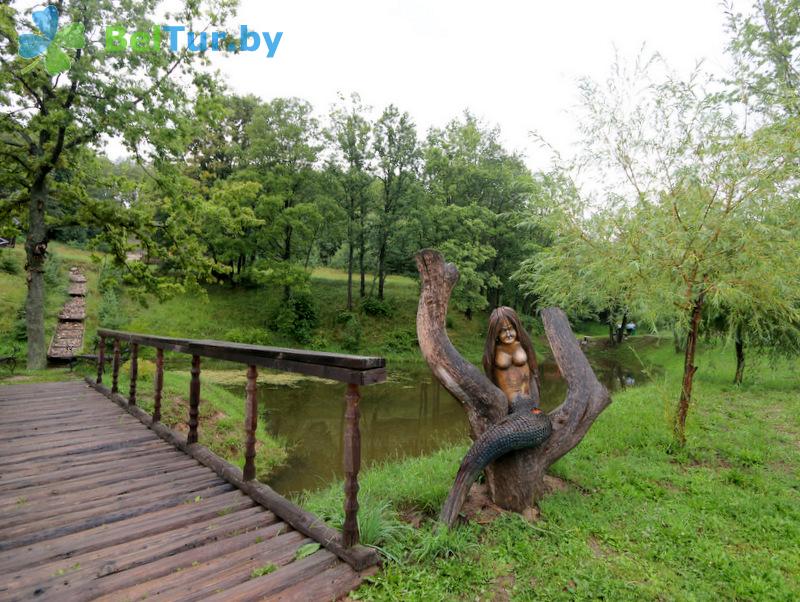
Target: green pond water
{"points": [[410, 415]]}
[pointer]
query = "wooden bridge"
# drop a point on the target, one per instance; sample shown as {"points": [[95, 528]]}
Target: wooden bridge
{"points": [[99, 500]]}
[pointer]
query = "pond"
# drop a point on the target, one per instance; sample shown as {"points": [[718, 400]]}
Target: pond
{"points": [[410, 415]]}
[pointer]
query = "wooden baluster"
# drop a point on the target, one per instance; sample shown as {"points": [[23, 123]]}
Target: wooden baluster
{"points": [[352, 464], [251, 422], [115, 368], [159, 384], [194, 400], [101, 359], [134, 373]]}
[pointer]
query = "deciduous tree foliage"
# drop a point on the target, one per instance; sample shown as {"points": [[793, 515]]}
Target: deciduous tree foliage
{"points": [[47, 121], [694, 219]]}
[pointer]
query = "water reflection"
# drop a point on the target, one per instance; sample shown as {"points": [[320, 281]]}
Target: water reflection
{"points": [[410, 415]]}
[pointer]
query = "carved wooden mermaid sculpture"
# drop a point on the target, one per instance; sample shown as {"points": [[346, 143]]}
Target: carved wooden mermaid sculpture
{"points": [[510, 363]]}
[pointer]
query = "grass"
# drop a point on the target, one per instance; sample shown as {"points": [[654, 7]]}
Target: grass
{"points": [[718, 520], [13, 291], [222, 417], [226, 311]]}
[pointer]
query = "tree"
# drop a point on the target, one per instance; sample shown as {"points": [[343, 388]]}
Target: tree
{"points": [[48, 120], [584, 268], [697, 205], [350, 133], [467, 166], [284, 145], [766, 47], [395, 143]]}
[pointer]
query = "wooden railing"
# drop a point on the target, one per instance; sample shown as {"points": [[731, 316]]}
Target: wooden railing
{"points": [[350, 369]]}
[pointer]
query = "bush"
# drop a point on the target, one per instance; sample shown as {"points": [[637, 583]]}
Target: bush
{"points": [[52, 271], [351, 341], [8, 264], [297, 318], [109, 279], [402, 340], [250, 335], [372, 306], [20, 329], [109, 315]]}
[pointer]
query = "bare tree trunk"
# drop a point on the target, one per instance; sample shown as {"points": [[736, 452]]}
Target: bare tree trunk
{"points": [[361, 252], [381, 269], [676, 340], [287, 256], [737, 379], [516, 480], [350, 271], [688, 370], [621, 329], [35, 252]]}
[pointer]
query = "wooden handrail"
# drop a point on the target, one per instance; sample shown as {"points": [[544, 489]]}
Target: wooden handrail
{"points": [[354, 370]]}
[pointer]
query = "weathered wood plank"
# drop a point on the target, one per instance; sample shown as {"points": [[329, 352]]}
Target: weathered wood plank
{"points": [[328, 585], [62, 475], [220, 572], [80, 519], [117, 482], [28, 513], [121, 532], [115, 568]]}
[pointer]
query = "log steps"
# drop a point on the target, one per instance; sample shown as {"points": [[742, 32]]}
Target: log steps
{"points": [[68, 338]]}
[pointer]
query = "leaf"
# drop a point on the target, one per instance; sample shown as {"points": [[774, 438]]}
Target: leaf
{"points": [[47, 21], [71, 36], [56, 60], [306, 550], [31, 45]]}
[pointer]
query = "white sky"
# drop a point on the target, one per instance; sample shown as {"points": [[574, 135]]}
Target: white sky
{"points": [[514, 64]]}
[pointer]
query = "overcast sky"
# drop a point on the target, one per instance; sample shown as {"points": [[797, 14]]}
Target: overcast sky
{"points": [[514, 64]]}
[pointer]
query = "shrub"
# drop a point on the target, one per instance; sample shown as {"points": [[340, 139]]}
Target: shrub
{"points": [[297, 318], [372, 306], [402, 340], [20, 329], [251, 335], [8, 264], [351, 341], [109, 314], [52, 271]]}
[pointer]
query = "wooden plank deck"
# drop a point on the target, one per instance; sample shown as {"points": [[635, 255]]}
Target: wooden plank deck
{"points": [[94, 506]]}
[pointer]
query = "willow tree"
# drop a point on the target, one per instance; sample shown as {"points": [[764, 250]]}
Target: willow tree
{"points": [[698, 205], [79, 94]]}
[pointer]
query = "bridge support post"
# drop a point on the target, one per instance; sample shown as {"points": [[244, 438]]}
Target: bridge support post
{"points": [[352, 464], [115, 369], [251, 422], [101, 360], [134, 373], [194, 400], [158, 384]]}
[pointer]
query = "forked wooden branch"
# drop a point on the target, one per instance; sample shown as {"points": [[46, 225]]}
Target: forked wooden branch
{"points": [[484, 402], [586, 396]]}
